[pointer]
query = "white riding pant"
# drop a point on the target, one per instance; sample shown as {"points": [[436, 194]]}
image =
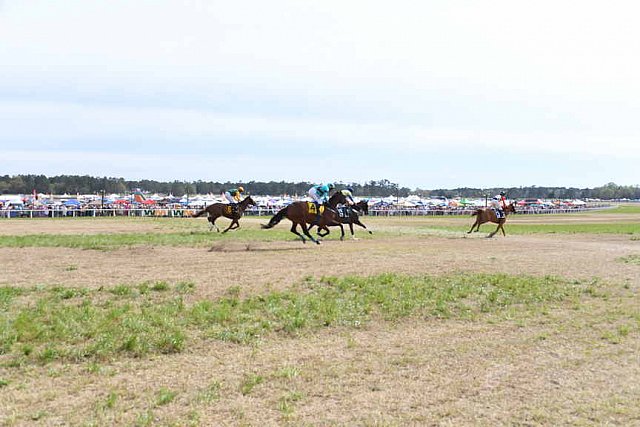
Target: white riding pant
{"points": [[313, 193], [229, 197]]}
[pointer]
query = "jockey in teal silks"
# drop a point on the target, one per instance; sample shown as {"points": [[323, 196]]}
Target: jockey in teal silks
{"points": [[320, 195]]}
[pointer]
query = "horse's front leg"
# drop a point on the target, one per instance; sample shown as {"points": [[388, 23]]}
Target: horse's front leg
{"points": [[353, 235], [231, 226], [358, 223]]}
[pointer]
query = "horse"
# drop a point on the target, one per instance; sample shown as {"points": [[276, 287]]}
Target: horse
{"points": [[351, 218], [303, 213], [216, 210], [489, 215]]}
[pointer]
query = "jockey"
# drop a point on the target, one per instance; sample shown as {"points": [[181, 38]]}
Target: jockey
{"points": [[320, 195], [499, 204], [348, 193], [233, 196]]}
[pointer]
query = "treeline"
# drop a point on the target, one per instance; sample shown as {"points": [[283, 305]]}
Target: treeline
{"points": [[72, 184], [606, 192]]}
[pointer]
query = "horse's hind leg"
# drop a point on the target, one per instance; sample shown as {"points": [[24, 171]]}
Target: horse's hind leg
{"points": [[306, 233], [294, 230], [502, 228], [494, 232], [212, 220], [474, 224]]}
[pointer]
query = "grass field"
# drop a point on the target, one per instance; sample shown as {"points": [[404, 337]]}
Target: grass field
{"points": [[117, 321]]}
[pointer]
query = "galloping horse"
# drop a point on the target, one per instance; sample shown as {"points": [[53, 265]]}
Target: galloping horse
{"points": [[303, 213], [488, 215], [349, 215], [216, 210]]}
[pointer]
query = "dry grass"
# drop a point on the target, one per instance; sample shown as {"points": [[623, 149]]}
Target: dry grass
{"points": [[571, 363]]}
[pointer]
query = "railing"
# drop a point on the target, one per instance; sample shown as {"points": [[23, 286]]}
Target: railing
{"points": [[185, 213]]}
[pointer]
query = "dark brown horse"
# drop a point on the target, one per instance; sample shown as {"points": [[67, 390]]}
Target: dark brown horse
{"points": [[489, 215], [349, 215], [303, 213], [216, 210]]}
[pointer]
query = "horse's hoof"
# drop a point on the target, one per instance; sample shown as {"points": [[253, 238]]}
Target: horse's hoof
{"points": [[318, 242]]}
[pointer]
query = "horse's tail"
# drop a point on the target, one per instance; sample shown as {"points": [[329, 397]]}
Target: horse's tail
{"points": [[200, 213], [276, 218]]}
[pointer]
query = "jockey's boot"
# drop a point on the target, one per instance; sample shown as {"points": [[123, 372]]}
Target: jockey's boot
{"points": [[318, 215]]}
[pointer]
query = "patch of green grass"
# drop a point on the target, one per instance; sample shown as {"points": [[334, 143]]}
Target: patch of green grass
{"points": [[249, 383], [85, 325], [118, 240], [622, 209], [630, 259], [352, 301], [165, 396], [211, 393], [8, 294], [286, 403], [110, 401], [288, 372], [573, 228], [95, 325]]}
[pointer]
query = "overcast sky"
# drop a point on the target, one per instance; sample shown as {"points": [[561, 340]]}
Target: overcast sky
{"points": [[430, 94]]}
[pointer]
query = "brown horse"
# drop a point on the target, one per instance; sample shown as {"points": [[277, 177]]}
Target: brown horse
{"points": [[349, 215], [488, 215], [303, 213], [216, 210]]}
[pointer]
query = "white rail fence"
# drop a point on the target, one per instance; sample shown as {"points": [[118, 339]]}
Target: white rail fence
{"points": [[186, 213]]}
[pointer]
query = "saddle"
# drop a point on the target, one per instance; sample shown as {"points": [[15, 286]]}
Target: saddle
{"points": [[231, 209], [312, 208]]}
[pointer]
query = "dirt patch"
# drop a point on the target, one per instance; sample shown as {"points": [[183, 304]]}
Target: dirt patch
{"points": [[255, 266]]}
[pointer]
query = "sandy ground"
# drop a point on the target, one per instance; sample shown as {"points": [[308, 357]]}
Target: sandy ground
{"points": [[550, 370], [254, 265]]}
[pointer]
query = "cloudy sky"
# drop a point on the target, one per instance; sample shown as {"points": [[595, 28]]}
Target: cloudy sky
{"points": [[430, 94]]}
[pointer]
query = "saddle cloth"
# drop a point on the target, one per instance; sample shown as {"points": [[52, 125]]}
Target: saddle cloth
{"points": [[499, 213], [344, 211], [312, 208], [228, 209]]}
